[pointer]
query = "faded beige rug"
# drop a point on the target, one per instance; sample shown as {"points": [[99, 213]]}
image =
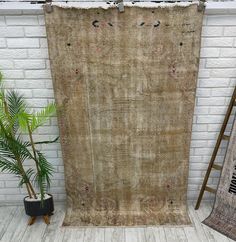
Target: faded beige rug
{"points": [[125, 87], [223, 215]]}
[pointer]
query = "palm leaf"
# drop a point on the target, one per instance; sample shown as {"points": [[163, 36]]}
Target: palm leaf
{"points": [[24, 119], [4, 116], [1, 78], [16, 106], [45, 167], [9, 166], [25, 178], [41, 117], [5, 150], [43, 176], [13, 147]]}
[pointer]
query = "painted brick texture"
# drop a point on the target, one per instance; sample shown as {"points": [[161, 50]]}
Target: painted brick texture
{"points": [[25, 65]]}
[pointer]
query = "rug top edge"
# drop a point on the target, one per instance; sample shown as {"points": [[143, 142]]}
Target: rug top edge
{"points": [[103, 5]]}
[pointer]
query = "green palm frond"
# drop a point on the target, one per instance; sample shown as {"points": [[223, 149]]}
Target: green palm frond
{"points": [[43, 176], [25, 178], [4, 134], [4, 117], [16, 103], [12, 104], [2, 95], [5, 130], [21, 148], [42, 116], [1, 80], [14, 149], [16, 106], [24, 120], [45, 167], [9, 166], [7, 148]]}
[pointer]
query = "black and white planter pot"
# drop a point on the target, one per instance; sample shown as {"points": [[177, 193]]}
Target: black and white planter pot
{"points": [[35, 208]]}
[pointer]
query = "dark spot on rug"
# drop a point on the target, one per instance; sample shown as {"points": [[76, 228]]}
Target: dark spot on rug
{"points": [[95, 23], [186, 24], [68, 44], [110, 24], [171, 202], [82, 204], [180, 43], [76, 71], [157, 24], [188, 31], [153, 11], [142, 24], [98, 13]]}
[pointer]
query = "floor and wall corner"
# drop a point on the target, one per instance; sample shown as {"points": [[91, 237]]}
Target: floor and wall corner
{"points": [[25, 65]]}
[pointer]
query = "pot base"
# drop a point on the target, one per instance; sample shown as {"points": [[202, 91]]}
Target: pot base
{"points": [[46, 219]]}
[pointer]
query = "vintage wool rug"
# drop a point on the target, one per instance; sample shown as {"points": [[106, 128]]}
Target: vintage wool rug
{"points": [[223, 215], [125, 87]]}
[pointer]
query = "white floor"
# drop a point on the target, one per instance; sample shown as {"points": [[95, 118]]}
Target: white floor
{"points": [[13, 227]]}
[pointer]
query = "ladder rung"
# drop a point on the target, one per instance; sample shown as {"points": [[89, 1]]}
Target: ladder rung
{"points": [[225, 137], [217, 167], [209, 189]]}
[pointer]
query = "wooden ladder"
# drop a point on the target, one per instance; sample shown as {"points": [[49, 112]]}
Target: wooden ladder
{"points": [[211, 165]]}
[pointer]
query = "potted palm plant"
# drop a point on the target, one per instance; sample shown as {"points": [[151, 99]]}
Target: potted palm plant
{"points": [[17, 121]]}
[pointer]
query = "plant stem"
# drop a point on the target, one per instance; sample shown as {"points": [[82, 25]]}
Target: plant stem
{"points": [[33, 147], [28, 190], [32, 189], [7, 113], [28, 183]]}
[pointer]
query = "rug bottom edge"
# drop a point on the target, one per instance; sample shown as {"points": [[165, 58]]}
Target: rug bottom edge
{"points": [[154, 219]]}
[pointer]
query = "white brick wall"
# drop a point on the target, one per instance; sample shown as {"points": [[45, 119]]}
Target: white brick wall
{"points": [[24, 63]]}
